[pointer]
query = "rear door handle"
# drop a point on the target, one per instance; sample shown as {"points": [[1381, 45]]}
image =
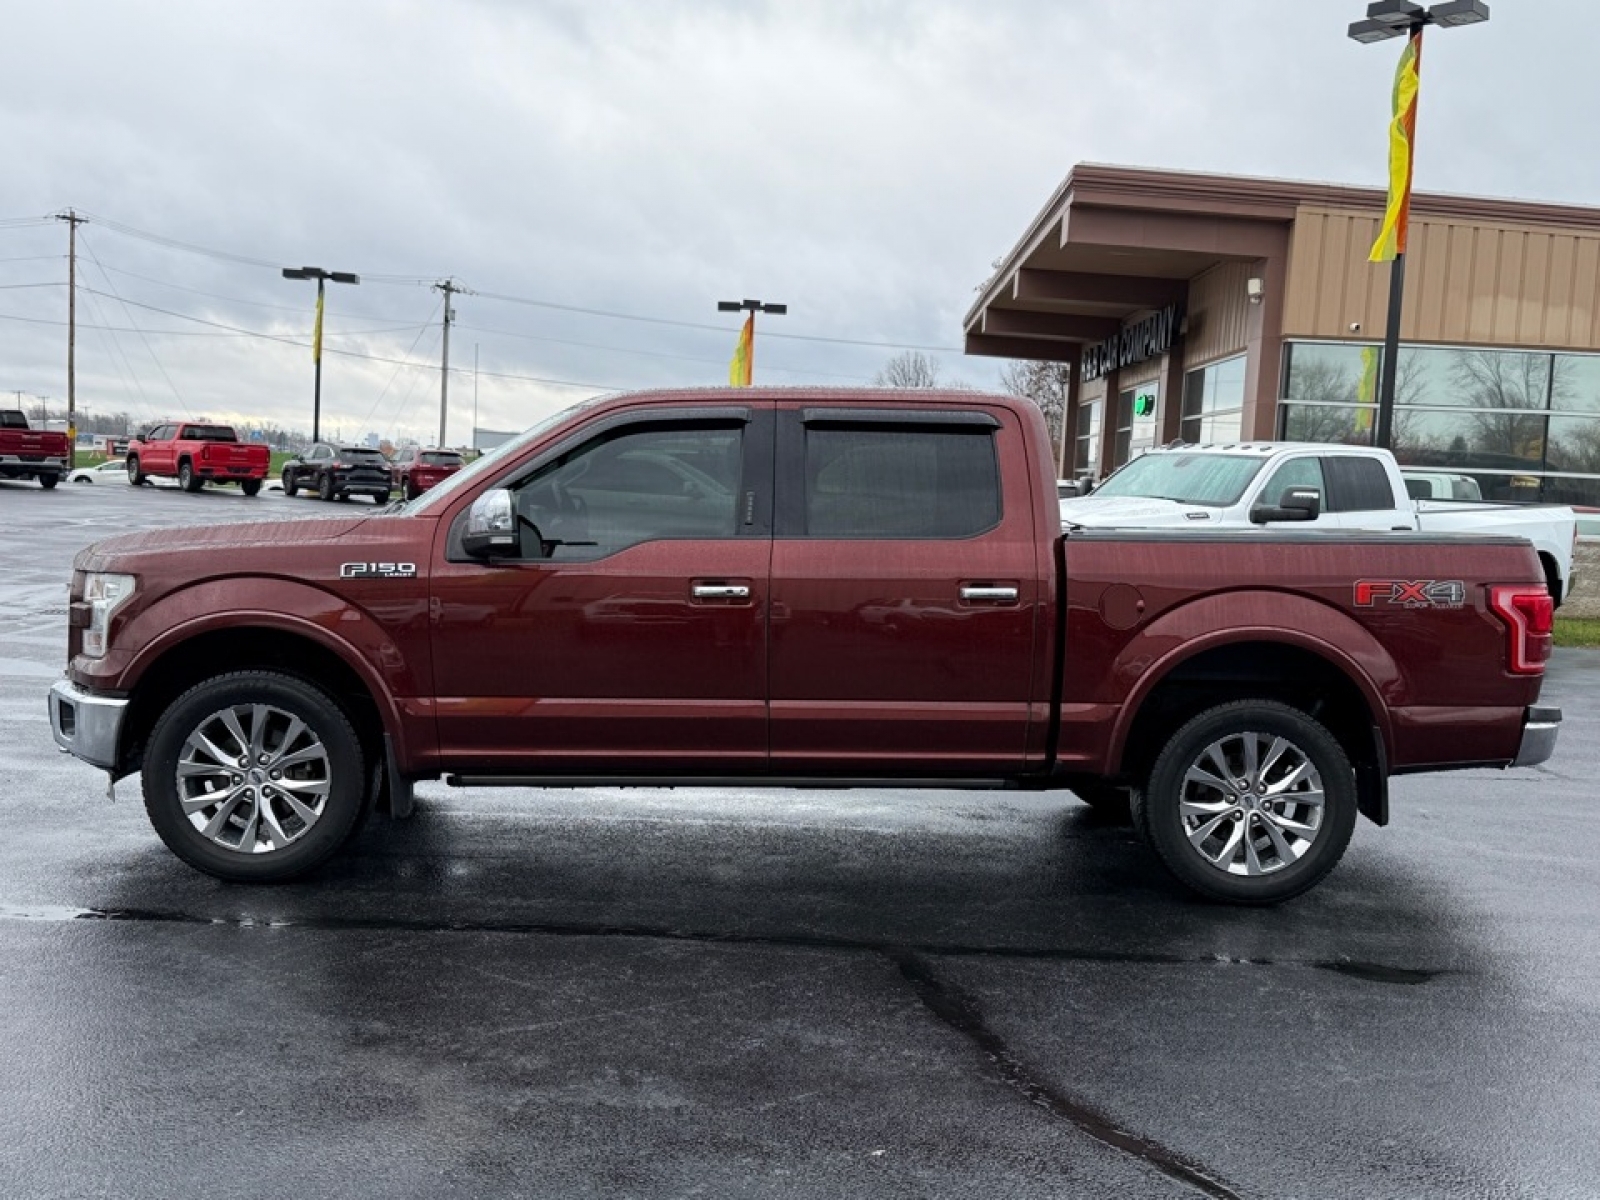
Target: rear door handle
{"points": [[990, 595], [720, 591]]}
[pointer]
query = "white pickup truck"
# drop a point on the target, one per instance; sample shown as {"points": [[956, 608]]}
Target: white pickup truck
{"points": [[1329, 486]]}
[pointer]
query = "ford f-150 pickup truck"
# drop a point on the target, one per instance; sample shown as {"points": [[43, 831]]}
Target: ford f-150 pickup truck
{"points": [[795, 588], [27, 453], [1358, 487], [196, 453]]}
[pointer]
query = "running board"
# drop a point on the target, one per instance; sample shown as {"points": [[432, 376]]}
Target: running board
{"points": [[712, 781]]}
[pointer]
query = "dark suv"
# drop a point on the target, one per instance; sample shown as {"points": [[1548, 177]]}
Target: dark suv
{"points": [[338, 472]]}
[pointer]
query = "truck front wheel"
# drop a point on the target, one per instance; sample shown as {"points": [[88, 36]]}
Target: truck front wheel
{"points": [[135, 474], [1251, 802], [254, 777]]}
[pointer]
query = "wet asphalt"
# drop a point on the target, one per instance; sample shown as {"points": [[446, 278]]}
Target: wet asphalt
{"points": [[643, 992]]}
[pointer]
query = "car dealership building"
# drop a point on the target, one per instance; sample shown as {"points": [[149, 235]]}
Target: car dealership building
{"points": [[1218, 308]]}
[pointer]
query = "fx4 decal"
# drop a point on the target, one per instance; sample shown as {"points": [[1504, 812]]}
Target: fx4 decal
{"points": [[1411, 593], [378, 570]]}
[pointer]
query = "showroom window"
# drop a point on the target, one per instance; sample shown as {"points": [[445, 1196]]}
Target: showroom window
{"points": [[1524, 425], [1086, 456], [1213, 402]]}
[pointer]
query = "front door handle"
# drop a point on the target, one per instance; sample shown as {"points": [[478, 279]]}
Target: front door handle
{"points": [[990, 595], [720, 591]]}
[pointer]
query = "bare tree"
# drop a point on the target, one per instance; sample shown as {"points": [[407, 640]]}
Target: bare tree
{"points": [[1045, 383], [912, 369]]}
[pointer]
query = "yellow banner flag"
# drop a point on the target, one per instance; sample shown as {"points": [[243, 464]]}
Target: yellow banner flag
{"points": [[1402, 142], [741, 367], [1367, 389], [316, 336]]}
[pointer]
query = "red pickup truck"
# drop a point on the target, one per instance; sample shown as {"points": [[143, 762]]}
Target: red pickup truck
{"points": [[796, 588], [27, 453], [196, 453]]}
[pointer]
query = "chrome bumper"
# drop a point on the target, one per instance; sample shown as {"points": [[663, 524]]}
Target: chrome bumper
{"points": [[1540, 724], [86, 725]]}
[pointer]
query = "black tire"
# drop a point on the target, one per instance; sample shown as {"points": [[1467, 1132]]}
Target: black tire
{"points": [[135, 474], [187, 479], [324, 487], [1293, 753], [409, 489], [264, 706], [291, 484], [49, 481], [249, 486]]}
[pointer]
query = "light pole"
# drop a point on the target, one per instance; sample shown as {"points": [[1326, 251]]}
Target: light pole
{"points": [[321, 277], [1389, 19], [741, 371]]}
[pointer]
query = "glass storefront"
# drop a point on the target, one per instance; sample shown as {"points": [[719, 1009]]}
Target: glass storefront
{"points": [[1213, 402], [1524, 424], [1086, 457]]}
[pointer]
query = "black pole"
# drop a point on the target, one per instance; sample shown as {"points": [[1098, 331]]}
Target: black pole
{"points": [[1391, 354], [316, 389]]}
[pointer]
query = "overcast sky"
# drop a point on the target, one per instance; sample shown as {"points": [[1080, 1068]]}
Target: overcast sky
{"points": [[600, 173]]}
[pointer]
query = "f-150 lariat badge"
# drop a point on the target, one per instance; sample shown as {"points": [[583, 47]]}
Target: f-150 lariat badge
{"points": [[1411, 593], [378, 570]]}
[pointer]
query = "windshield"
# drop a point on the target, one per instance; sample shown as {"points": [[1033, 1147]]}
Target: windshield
{"points": [[1211, 479], [491, 458]]}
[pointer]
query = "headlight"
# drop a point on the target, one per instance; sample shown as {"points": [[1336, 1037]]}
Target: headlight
{"points": [[104, 594]]}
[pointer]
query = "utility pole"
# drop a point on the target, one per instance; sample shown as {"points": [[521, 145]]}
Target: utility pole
{"points": [[474, 396], [73, 220], [449, 287]]}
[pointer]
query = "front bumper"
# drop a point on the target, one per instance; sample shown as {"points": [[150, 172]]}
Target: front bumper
{"points": [[85, 724], [1540, 724]]}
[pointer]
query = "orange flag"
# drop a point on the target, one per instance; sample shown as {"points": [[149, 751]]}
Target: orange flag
{"points": [[1402, 141], [743, 362]]}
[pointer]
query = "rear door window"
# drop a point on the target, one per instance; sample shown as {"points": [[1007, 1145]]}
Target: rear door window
{"points": [[912, 481]]}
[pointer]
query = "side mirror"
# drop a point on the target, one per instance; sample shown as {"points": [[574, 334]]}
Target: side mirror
{"points": [[491, 526], [1296, 504]]}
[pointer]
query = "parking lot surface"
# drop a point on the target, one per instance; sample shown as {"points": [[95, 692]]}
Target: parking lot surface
{"points": [[647, 992]]}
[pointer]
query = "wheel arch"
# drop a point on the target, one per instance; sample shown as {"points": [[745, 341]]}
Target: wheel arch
{"points": [[1288, 665], [257, 641]]}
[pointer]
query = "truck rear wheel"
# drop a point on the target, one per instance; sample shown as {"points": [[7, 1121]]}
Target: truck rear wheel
{"points": [[1251, 802], [49, 481], [250, 486], [254, 777], [187, 479]]}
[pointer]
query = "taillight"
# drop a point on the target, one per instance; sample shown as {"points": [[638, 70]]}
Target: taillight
{"points": [[1529, 616], [205, 453]]}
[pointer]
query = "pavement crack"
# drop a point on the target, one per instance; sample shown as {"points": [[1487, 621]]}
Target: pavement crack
{"points": [[955, 1008]]}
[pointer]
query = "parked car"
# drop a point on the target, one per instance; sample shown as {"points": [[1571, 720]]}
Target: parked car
{"points": [[113, 470], [196, 453], [28, 453], [337, 472], [1243, 486], [416, 469], [1441, 485], [740, 586]]}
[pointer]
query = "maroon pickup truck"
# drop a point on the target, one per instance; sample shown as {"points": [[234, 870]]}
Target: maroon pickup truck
{"points": [[27, 453], [796, 588], [196, 453]]}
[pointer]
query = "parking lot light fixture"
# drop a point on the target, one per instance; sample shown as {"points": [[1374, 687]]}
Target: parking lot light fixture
{"points": [[1387, 19], [322, 277], [741, 371]]}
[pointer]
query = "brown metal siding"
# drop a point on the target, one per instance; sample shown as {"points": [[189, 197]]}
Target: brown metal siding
{"points": [[1218, 314], [1467, 282]]}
